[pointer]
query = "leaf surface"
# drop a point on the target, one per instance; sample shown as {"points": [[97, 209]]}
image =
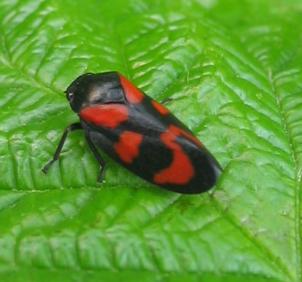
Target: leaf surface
{"points": [[233, 73]]}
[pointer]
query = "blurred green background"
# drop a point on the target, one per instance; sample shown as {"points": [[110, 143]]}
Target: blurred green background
{"points": [[232, 70]]}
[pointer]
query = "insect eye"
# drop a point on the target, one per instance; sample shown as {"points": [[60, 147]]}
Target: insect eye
{"points": [[70, 96]]}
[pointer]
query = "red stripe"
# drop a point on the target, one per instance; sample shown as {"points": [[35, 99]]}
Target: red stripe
{"points": [[160, 108], [109, 116], [181, 170], [128, 146], [133, 94], [178, 131]]}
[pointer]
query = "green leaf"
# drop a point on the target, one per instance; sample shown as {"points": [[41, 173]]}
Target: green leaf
{"points": [[233, 72]]}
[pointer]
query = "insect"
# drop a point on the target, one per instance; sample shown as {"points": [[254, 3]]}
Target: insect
{"points": [[139, 133]]}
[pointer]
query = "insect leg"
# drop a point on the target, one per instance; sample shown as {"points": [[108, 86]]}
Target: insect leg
{"points": [[99, 158], [70, 128]]}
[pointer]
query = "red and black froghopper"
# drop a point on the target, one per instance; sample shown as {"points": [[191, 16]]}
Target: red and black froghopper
{"points": [[139, 133]]}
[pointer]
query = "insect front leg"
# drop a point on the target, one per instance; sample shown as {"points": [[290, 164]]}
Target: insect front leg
{"points": [[70, 128], [99, 158]]}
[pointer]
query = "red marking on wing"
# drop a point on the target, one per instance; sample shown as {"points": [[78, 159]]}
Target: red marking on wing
{"points": [[181, 169], [160, 108], [128, 146], [178, 131], [109, 116], [133, 94]]}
